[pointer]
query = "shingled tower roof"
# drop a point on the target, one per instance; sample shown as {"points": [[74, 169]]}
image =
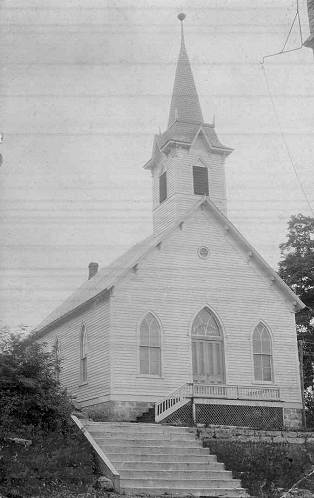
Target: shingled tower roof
{"points": [[185, 105]]}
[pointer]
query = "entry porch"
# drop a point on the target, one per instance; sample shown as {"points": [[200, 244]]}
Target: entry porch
{"points": [[221, 404]]}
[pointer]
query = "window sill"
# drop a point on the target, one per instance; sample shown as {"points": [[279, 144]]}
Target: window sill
{"points": [[83, 383], [264, 383], [147, 376]]}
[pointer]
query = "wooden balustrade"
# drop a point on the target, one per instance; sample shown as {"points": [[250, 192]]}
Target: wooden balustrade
{"points": [[189, 391]]}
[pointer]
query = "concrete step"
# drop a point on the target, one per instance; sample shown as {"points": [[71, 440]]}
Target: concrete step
{"points": [[181, 466], [213, 492], [136, 428], [147, 457], [179, 483], [152, 450], [151, 443], [154, 460], [175, 475], [127, 436]]}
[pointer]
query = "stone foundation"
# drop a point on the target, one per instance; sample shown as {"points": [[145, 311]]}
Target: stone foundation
{"points": [[117, 411], [293, 418], [244, 435]]}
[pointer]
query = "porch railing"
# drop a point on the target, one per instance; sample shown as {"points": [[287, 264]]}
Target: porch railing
{"points": [[189, 391], [261, 393]]}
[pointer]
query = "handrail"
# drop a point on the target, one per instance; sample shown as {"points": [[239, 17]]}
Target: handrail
{"points": [[105, 464], [264, 392], [172, 401]]}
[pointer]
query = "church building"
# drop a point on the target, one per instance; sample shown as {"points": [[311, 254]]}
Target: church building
{"points": [[190, 323]]}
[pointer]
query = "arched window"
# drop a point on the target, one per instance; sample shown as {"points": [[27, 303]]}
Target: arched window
{"points": [[207, 349], [150, 346], [57, 354], [83, 353], [262, 354]]}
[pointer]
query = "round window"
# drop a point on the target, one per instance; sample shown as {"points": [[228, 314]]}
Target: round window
{"points": [[203, 252]]}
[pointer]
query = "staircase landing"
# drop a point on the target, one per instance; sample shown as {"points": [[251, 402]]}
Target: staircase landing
{"points": [[154, 459]]}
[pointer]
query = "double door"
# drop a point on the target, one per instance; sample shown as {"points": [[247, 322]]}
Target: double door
{"points": [[207, 361]]}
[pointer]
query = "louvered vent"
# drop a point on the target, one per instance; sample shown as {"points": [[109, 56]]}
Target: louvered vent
{"points": [[200, 180], [163, 187]]}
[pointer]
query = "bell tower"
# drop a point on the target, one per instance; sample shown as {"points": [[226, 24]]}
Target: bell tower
{"points": [[188, 159]]}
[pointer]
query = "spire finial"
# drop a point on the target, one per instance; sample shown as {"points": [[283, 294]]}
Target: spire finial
{"points": [[181, 18]]}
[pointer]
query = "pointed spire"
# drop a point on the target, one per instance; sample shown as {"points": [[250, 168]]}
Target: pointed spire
{"points": [[185, 105]]}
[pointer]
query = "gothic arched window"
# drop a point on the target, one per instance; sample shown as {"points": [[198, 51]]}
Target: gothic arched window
{"points": [[57, 353], [150, 346], [207, 349], [262, 354], [83, 354]]}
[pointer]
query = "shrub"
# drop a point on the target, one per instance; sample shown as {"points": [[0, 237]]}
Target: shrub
{"points": [[32, 398], [262, 467], [35, 406], [53, 461]]}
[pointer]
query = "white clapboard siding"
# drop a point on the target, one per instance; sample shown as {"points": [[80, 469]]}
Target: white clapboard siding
{"points": [[97, 320], [174, 283]]}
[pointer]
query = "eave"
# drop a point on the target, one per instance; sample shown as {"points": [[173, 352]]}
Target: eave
{"points": [[37, 333]]}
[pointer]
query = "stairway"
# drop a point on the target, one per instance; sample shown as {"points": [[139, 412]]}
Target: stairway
{"points": [[154, 459], [147, 417]]}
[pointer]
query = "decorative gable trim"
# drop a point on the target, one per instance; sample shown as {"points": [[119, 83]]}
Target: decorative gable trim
{"points": [[252, 253], [155, 243], [206, 204]]}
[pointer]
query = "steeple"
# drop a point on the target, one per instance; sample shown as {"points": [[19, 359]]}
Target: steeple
{"points": [[185, 105], [188, 158]]}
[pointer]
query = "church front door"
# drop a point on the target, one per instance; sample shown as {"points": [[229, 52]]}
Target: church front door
{"points": [[207, 349], [207, 362]]}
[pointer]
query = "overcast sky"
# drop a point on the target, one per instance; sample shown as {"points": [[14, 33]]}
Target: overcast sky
{"points": [[85, 84]]}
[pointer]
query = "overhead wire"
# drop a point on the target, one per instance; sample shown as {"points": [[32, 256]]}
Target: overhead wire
{"points": [[283, 51]]}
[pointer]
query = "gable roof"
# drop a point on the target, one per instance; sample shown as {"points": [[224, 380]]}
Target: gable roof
{"points": [[107, 277]]}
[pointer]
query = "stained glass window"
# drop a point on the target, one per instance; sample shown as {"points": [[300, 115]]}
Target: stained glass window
{"points": [[84, 353], [262, 354], [205, 324], [150, 346]]}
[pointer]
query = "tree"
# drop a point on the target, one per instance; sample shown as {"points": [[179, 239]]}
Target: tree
{"points": [[296, 268], [31, 395]]}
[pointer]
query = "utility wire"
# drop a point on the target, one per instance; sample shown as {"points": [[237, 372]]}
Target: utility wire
{"points": [[283, 51]]}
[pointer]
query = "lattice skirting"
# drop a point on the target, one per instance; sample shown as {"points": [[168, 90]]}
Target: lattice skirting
{"points": [[255, 417], [183, 416]]}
